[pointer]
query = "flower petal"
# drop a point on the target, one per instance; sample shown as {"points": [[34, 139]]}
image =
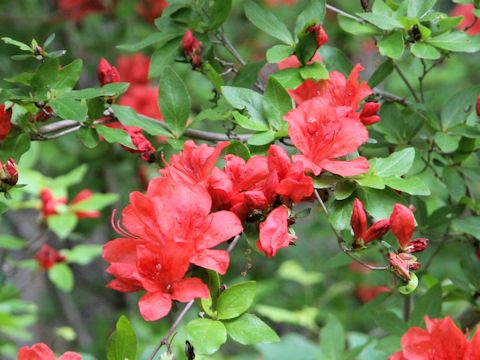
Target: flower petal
{"points": [[353, 167], [217, 260], [154, 306], [189, 289]]}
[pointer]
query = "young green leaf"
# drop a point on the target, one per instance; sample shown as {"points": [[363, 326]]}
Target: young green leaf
{"points": [[234, 301], [114, 136], [392, 46], [62, 225], [61, 276], [425, 51], [122, 344], [397, 164], [206, 335], [248, 329], [69, 109], [128, 117]]}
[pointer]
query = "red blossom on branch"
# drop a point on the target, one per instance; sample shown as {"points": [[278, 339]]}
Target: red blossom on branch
{"points": [[361, 235], [402, 224], [5, 121], [151, 9], [107, 73], [192, 48], [47, 257], [274, 233], [41, 351]]}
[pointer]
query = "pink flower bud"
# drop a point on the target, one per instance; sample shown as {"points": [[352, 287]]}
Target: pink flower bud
{"points": [[402, 224], [369, 116], [418, 245], [9, 173], [192, 49], [107, 73], [358, 221], [377, 230]]}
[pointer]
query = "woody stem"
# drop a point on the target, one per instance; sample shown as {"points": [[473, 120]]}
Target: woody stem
{"points": [[341, 241], [178, 320], [343, 13]]}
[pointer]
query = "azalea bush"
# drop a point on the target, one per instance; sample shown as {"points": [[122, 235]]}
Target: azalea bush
{"points": [[218, 179]]}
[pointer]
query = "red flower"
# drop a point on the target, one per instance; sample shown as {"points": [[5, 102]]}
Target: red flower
{"points": [[143, 99], [442, 340], [369, 116], [151, 9], [195, 163], [402, 263], [81, 196], [107, 73], [466, 11], [322, 137], [166, 230], [49, 203], [366, 293], [288, 179], [361, 235], [142, 144], [402, 224], [341, 93], [293, 62], [41, 351], [76, 10], [8, 173], [5, 121], [134, 69], [47, 257], [274, 233], [192, 48]]}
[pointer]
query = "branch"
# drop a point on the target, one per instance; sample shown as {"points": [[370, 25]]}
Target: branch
{"points": [[407, 83], [343, 13], [165, 340]]}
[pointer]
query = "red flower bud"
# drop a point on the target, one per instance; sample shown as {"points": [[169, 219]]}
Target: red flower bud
{"points": [[418, 245], [5, 121], [81, 196], [321, 35], [358, 221], [107, 73], [49, 203], [47, 257], [399, 266], [402, 224], [478, 105], [192, 49], [369, 116], [9, 173], [414, 266], [376, 231]]}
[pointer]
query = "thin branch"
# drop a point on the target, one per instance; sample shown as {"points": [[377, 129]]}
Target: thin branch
{"points": [[231, 49], [388, 96], [343, 13], [407, 83], [407, 307], [341, 242]]}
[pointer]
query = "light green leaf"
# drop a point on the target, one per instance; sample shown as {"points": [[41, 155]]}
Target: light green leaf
{"points": [[447, 143], [470, 225], [381, 21], [411, 286], [412, 185], [276, 103], [114, 136], [425, 51], [344, 189], [397, 164], [248, 329], [242, 98], [457, 41], [163, 57], [68, 75], [82, 254], [418, 8], [263, 138], [312, 14], [234, 301], [122, 344], [95, 203], [332, 339], [278, 52], [206, 335], [90, 93], [315, 71], [429, 304], [61, 276], [392, 46], [62, 225], [128, 117], [249, 122], [219, 13], [11, 242], [69, 109]]}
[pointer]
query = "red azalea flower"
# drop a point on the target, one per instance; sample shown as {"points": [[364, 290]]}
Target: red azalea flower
{"points": [[47, 257], [41, 351], [5, 121], [402, 224], [9, 173], [322, 137], [192, 48], [143, 99], [366, 293], [289, 180], [442, 340], [142, 144], [361, 235], [107, 73], [81, 196], [134, 69], [274, 233], [151, 9], [49, 203], [195, 163], [76, 10], [341, 93], [466, 10], [166, 230]]}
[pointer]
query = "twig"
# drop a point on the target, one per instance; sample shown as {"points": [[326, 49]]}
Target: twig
{"points": [[343, 13], [388, 96], [228, 45], [341, 241], [407, 307], [407, 83], [165, 340]]}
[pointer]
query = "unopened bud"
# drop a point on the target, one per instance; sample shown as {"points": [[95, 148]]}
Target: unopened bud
{"points": [[192, 48], [369, 116], [107, 73], [320, 34], [8, 175], [377, 230], [417, 245]]}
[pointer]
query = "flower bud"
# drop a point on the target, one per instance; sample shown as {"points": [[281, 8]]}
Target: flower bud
{"points": [[107, 73], [402, 224], [358, 221], [9, 173], [192, 49], [369, 116], [478, 106], [377, 230], [418, 245], [47, 257], [399, 266], [320, 34], [5, 121]]}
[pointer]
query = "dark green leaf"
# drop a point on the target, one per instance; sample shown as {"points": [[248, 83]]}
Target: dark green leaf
{"points": [[312, 14], [88, 136], [429, 304], [392, 46], [332, 339], [391, 323], [128, 117], [162, 57], [69, 109], [219, 13], [276, 103], [381, 73]]}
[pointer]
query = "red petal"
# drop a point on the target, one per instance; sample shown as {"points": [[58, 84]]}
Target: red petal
{"points": [[358, 221], [38, 351], [351, 136], [70, 355], [402, 224], [154, 306], [217, 260], [354, 167], [377, 230], [274, 233], [223, 226], [189, 289]]}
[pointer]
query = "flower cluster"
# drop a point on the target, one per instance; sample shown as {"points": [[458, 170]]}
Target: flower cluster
{"points": [[41, 351], [441, 340], [402, 224], [54, 206]]}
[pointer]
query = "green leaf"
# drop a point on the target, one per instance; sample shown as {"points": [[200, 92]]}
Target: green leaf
{"points": [[381, 73], [397, 164], [72, 177], [88, 136], [276, 103], [206, 335], [241, 98], [411, 286], [82, 254], [392, 46], [339, 213], [263, 138], [114, 136], [354, 27], [155, 38], [278, 52], [289, 78], [379, 203], [128, 117], [429, 304], [344, 189], [14, 146], [162, 57], [457, 41], [90, 93], [425, 51], [412, 185], [122, 344], [16, 43], [61, 276], [418, 8], [315, 71], [213, 75], [332, 339], [335, 60], [306, 46], [46, 74], [219, 13], [381, 21], [447, 143], [454, 112], [62, 225], [96, 202], [267, 22], [312, 14], [248, 74], [239, 149], [455, 183], [391, 323], [470, 225], [234, 301], [174, 101], [68, 75], [248, 329], [248, 122], [11, 242], [69, 109]]}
